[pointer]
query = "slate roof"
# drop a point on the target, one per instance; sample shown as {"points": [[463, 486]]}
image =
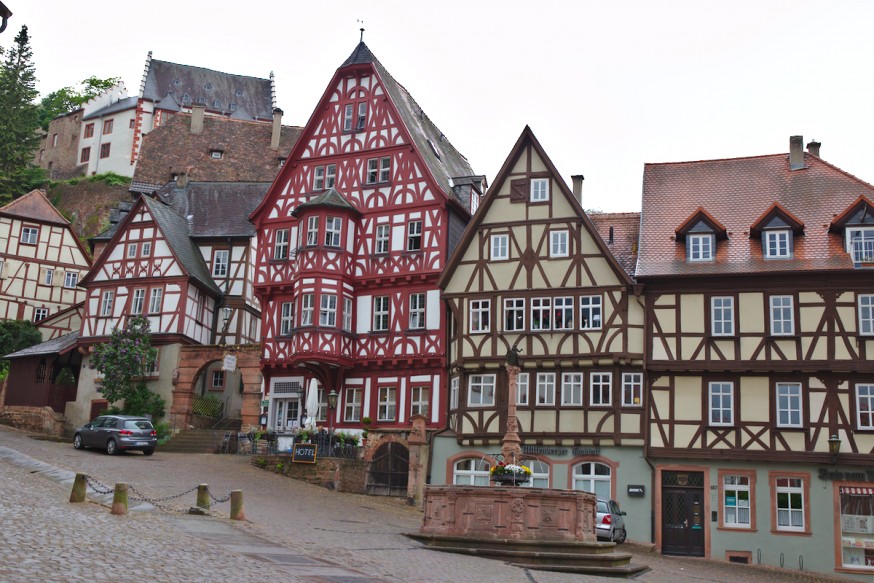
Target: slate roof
{"points": [[120, 105], [116, 216], [200, 201], [329, 198], [246, 153], [251, 94], [626, 232], [737, 192], [36, 207], [58, 345]]}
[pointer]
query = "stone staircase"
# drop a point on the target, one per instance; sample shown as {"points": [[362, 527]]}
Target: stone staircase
{"points": [[199, 440]]}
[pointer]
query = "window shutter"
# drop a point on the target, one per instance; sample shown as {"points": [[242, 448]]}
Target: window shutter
{"points": [[519, 189], [42, 275], [58, 278]]}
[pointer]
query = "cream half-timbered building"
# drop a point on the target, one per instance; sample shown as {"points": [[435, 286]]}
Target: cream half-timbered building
{"points": [[532, 273], [760, 332], [351, 239]]}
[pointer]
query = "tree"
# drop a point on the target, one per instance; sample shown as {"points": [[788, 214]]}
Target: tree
{"points": [[67, 99], [16, 335], [19, 120], [124, 360]]}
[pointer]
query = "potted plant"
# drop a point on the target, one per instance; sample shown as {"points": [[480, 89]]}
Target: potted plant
{"points": [[366, 421], [511, 474]]}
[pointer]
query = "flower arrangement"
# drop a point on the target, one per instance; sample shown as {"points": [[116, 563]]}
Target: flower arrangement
{"points": [[502, 469]]}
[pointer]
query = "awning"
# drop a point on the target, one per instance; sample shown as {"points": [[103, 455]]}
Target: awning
{"points": [[854, 491]]}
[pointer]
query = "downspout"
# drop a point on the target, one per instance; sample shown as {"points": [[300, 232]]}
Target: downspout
{"points": [[647, 425]]}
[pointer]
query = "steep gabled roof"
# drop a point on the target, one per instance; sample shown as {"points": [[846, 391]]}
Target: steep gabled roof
{"points": [[776, 211], [198, 202], [700, 216], [120, 105], [620, 232], [34, 206]]}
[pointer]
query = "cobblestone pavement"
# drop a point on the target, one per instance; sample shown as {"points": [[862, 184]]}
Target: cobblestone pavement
{"points": [[293, 531]]}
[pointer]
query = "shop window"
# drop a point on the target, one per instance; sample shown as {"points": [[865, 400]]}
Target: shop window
{"points": [[857, 527]]}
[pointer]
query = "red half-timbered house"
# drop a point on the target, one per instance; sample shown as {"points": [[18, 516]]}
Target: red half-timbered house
{"points": [[351, 240]]}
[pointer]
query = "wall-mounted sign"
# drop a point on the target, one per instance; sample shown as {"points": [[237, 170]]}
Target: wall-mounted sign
{"points": [[229, 363], [636, 491], [304, 453]]}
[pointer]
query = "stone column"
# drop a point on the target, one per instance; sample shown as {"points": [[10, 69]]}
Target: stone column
{"points": [[511, 445], [419, 453]]}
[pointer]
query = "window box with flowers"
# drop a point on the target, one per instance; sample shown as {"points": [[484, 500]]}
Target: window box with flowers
{"points": [[510, 474]]}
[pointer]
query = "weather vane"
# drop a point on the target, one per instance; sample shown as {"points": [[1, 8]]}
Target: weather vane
{"points": [[361, 29]]}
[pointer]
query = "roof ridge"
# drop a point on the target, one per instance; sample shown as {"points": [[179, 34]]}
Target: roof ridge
{"points": [[714, 160], [210, 70]]}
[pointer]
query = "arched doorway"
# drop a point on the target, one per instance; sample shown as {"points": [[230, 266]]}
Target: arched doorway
{"points": [[389, 470]]}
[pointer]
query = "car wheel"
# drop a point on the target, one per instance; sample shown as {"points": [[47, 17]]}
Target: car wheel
{"points": [[148, 451], [622, 536], [77, 442], [111, 447]]}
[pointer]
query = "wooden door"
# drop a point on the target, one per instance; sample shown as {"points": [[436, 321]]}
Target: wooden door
{"points": [[389, 470], [683, 521]]}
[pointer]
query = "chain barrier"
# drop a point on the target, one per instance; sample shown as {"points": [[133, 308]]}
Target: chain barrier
{"points": [[218, 500], [98, 487], [156, 502]]}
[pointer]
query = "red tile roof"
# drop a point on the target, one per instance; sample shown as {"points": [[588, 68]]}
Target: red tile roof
{"points": [[626, 230], [36, 207], [738, 192]]}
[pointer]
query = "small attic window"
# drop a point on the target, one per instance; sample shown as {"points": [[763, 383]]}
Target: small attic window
{"points": [[208, 86], [238, 93], [186, 98], [281, 162], [176, 82], [434, 148], [217, 103], [201, 100], [777, 243], [216, 154], [700, 247], [233, 107]]}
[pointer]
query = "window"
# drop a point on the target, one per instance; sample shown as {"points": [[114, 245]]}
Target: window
{"points": [[593, 477], [107, 126], [104, 150], [89, 130], [138, 301], [866, 314], [85, 156], [564, 314], [539, 189], [312, 231], [414, 236], [280, 245], [330, 175], [417, 311], [319, 179], [146, 249], [216, 154], [860, 244], [865, 406], [789, 405], [380, 314], [348, 112], [540, 313], [286, 320], [481, 390], [632, 389], [372, 171], [307, 306], [500, 247], [352, 409], [347, 314], [106, 304], [781, 316], [54, 140], [218, 379], [722, 316], [522, 389], [133, 123], [700, 247], [590, 313], [71, 279], [514, 314], [558, 244], [722, 404], [156, 300], [453, 393], [572, 388], [132, 250], [40, 376], [378, 170], [322, 412], [790, 503], [29, 235], [777, 244], [48, 277], [601, 388], [545, 388], [471, 472], [419, 401], [40, 314], [539, 473], [220, 263], [333, 229], [382, 239], [362, 116], [857, 516], [387, 404], [385, 169], [736, 501], [328, 311], [479, 316]]}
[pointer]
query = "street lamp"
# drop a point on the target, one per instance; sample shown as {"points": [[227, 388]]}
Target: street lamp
{"points": [[834, 447], [332, 404]]}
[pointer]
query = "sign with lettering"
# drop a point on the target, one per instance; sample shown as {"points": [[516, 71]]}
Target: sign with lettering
{"points": [[304, 453], [229, 363], [636, 491]]}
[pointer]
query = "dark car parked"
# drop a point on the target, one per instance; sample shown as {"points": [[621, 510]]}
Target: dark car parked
{"points": [[117, 433]]}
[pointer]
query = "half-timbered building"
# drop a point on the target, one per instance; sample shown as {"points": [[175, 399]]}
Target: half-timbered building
{"points": [[532, 273], [760, 331], [351, 240]]}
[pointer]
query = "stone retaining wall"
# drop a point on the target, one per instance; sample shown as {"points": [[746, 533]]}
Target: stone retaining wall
{"points": [[343, 475], [35, 419]]}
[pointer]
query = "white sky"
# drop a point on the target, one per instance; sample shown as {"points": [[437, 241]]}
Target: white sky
{"points": [[605, 86]]}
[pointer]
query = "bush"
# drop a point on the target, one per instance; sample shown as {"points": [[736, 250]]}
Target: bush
{"points": [[163, 430], [142, 401]]}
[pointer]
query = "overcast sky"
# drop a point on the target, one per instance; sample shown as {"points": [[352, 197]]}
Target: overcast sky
{"points": [[605, 86]]}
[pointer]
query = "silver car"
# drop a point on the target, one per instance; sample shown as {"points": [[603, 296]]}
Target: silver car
{"points": [[609, 521], [117, 433]]}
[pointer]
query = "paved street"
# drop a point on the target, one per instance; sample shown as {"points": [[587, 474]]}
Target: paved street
{"points": [[293, 531]]}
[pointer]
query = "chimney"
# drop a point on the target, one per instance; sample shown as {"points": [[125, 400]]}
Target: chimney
{"points": [[578, 186], [197, 118], [277, 128], [182, 180], [813, 147], [796, 152]]}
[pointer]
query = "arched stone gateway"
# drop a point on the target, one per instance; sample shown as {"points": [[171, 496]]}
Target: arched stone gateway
{"points": [[194, 359]]}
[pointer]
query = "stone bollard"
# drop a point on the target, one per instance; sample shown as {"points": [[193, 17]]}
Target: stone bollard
{"points": [[119, 500], [203, 496], [237, 505], [79, 486]]}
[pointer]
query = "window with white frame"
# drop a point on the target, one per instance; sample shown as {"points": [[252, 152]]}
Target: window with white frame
{"points": [[736, 501], [480, 312], [558, 244], [322, 411], [419, 400], [789, 410], [71, 278], [541, 309], [594, 477], [385, 169], [348, 115], [132, 250], [572, 388], [352, 405], [333, 229], [539, 189], [387, 404], [380, 314], [590, 313], [790, 503], [866, 314], [156, 300], [601, 389], [860, 244], [453, 392], [471, 472], [106, 304], [280, 245], [347, 314], [481, 390], [522, 389], [29, 235], [700, 247], [383, 233], [632, 389], [330, 175], [782, 317], [312, 231], [218, 379], [362, 115], [319, 178], [48, 277], [146, 249], [414, 236], [286, 321], [220, 263], [545, 388], [40, 314], [328, 311], [721, 399], [722, 316], [777, 244], [500, 247], [307, 309], [564, 314], [372, 171], [417, 311], [514, 314], [865, 406], [138, 301], [539, 474]]}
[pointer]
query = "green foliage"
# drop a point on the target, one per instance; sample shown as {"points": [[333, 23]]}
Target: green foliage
{"points": [[123, 361], [163, 431], [65, 377], [261, 462], [16, 335], [280, 466], [67, 99], [110, 178], [142, 401]]}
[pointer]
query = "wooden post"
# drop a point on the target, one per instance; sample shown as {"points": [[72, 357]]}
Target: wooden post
{"points": [[237, 505], [119, 500], [79, 487], [203, 496]]}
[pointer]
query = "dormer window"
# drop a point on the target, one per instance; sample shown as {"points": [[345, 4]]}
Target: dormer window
{"points": [[860, 244], [700, 247], [216, 154], [777, 228], [777, 244]]}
